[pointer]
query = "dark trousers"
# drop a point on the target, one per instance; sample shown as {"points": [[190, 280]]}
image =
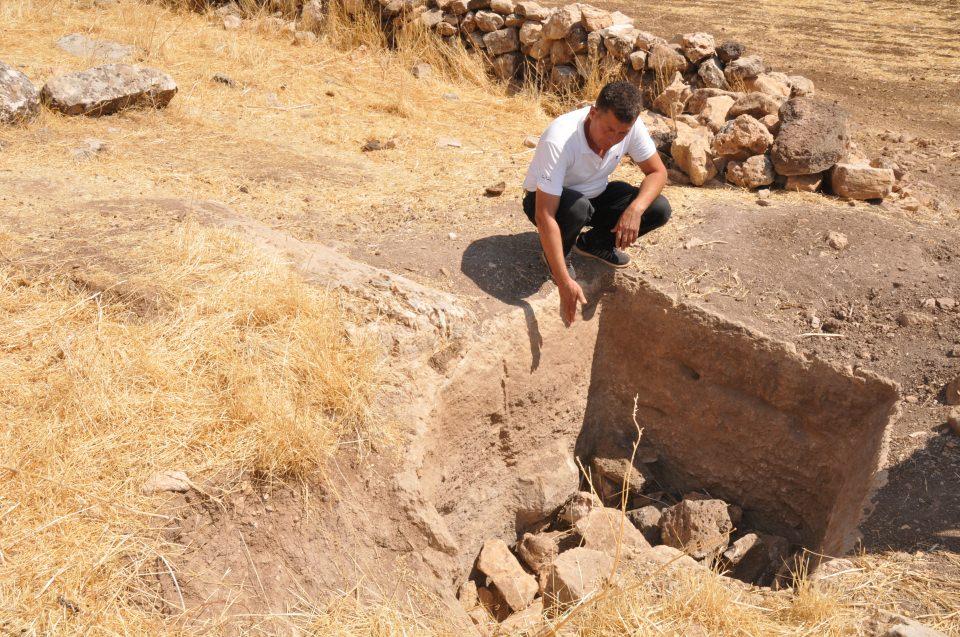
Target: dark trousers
{"points": [[601, 213]]}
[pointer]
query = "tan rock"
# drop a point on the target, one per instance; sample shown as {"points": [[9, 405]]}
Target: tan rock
{"points": [[575, 574], [714, 113], [530, 32], [800, 86], [541, 49], [638, 60], [741, 138], [107, 89], [577, 506], [19, 98], [620, 18], [691, 152], [611, 474], [467, 595], [753, 173], [564, 77], [503, 7], [446, 29], [697, 46], [531, 10], [605, 529], [673, 99], [524, 621], [744, 68], [666, 61], [312, 16], [772, 123], [502, 41], [768, 84], [488, 21], [619, 40], [498, 563], [663, 555], [595, 19], [507, 65], [952, 392], [698, 98], [861, 181], [173, 481], [836, 240], [538, 550], [700, 528], [804, 183], [711, 76], [431, 19], [756, 105], [559, 24]]}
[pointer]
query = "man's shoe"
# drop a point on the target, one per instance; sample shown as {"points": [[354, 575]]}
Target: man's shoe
{"points": [[609, 255], [566, 260]]}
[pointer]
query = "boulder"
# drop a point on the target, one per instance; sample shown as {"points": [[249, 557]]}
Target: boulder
{"points": [[505, 66], [753, 173], [539, 550], [756, 105], [813, 137], [488, 21], [730, 51], [711, 75], [768, 84], [559, 24], [698, 98], [595, 19], [430, 19], [697, 46], [700, 528], [741, 138], [743, 68], [756, 558], [503, 7], [531, 11], [575, 574], [86, 47], [530, 32], [638, 60], [546, 481], [502, 41], [610, 474], [804, 183], [619, 40], [647, 521], [952, 392], [107, 89], [660, 129], [446, 29], [666, 61], [714, 113], [578, 506], [861, 181], [564, 77], [673, 99], [516, 585], [691, 152], [800, 86], [19, 98], [604, 529]]}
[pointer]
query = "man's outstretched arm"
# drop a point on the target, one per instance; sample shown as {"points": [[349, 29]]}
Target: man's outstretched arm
{"points": [[628, 227], [552, 242]]}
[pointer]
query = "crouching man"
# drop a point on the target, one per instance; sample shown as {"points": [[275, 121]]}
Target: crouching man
{"points": [[567, 187]]}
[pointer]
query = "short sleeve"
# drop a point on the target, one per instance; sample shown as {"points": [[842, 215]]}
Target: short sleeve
{"points": [[551, 167], [641, 147]]}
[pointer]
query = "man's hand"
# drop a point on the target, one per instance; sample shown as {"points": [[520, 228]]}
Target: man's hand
{"points": [[627, 227], [570, 294]]}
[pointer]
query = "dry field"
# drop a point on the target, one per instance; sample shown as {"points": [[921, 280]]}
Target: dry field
{"points": [[138, 342]]}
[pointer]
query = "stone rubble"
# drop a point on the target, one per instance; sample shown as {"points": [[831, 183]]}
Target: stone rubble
{"points": [[19, 98]]}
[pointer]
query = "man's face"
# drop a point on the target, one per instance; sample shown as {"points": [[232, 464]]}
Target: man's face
{"points": [[606, 129]]}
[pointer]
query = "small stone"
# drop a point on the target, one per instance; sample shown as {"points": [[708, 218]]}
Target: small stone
{"points": [[563, 77], [19, 98], [559, 24], [421, 70], [610, 475], [304, 38], [666, 61], [757, 558], [531, 141], [700, 528], [503, 7], [575, 574], [175, 481], [800, 86], [953, 421], [730, 51], [106, 89], [531, 11], [904, 627], [647, 521], [946, 303], [524, 621], [373, 145], [452, 235], [507, 65], [498, 563], [530, 33], [495, 190], [577, 506], [837, 240], [673, 98], [467, 595], [539, 550], [914, 319], [91, 148], [638, 60], [768, 84], [619, 40]]}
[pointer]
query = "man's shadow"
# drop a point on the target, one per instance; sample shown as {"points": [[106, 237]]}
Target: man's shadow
{"points": [[508, 268]]}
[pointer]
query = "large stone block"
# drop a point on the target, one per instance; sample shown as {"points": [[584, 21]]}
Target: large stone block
{"points": [[106, 89], [19, 99]]}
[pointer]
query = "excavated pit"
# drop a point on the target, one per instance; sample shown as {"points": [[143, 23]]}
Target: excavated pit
{"points": [[797, 443]]}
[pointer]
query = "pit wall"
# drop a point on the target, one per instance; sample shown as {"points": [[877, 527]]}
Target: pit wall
{"points": [[796, 443]]}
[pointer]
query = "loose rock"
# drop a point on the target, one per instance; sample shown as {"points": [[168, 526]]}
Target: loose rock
{"points": [[502, 41], [837, 240], [953, 421], [611, 474], [595, 19], [861, 181], [804, 183], [915, 319], [697, 46], [672, 100], [691, 152], [756, 105], [714, 114], [575, 574], [756, 558], [730, 51], [711, 76], [647, 521], [421, 70], [539, 550], [744, 68], [952, 392], [19, 99], [498, 563], [578, 506], [603, 529], [107, 89], [559, 24], [753, 173], [813, 137], [495, 190], [700, 528], [174, 481], [666, 61], [741, 138]]}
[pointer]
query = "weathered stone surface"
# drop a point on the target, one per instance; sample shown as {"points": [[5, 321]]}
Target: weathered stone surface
{"points": [[578, 506], [673, 99], [575, 574], [697, 46], [861, 181], [768, 84], [506, 66], [594, 19], [231, 22], [446, 29], [904, 627], [467, 595], [804, 183], [468, 22], [698, 98], [19, 98], [666, 61], [756, 558], [741, 138], [503, 7], [691, 152], [756, 105], [87, 47], [813, 137], [744, 68], [539, 550], [610, 475], [638, 60], [602, 529], [836, 240], [953, 421], [647, 521], [488, 21], [714, 114], [107, 89], [730, 51], [458, 7], [430, 19], [700, 528], [564, 77], [174, 481], [619, 40], [800, 86], [753, 173], [711, 75], [498, 563], [524, 621], [559, 24], [541, 49], [660, 129], [772, 122], [915, 319], [530, 32], [531, 11], [576, 39], [502, 41], [545, 483]]}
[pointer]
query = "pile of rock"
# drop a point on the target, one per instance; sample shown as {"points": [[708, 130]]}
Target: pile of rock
{"points": [[715, 112], [589, 541], [101, 90]]}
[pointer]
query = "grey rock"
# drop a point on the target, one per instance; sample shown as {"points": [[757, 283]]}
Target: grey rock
{"points": [[711, 75], [502, 41], [107, 89], [730, 51], [744, 68], [86, 47], [813, 137], [19, 98], [700, 528], [756, 558], [647, 521]]}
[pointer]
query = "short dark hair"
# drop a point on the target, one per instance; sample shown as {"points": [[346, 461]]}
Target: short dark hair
{"points": [[621, 98]]}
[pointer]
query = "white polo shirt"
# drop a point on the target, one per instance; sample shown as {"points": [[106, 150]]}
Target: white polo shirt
{"points": [[563, 158]]}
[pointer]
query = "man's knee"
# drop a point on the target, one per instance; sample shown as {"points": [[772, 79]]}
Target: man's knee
{"points": [[659, 212], [574, 208]]}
